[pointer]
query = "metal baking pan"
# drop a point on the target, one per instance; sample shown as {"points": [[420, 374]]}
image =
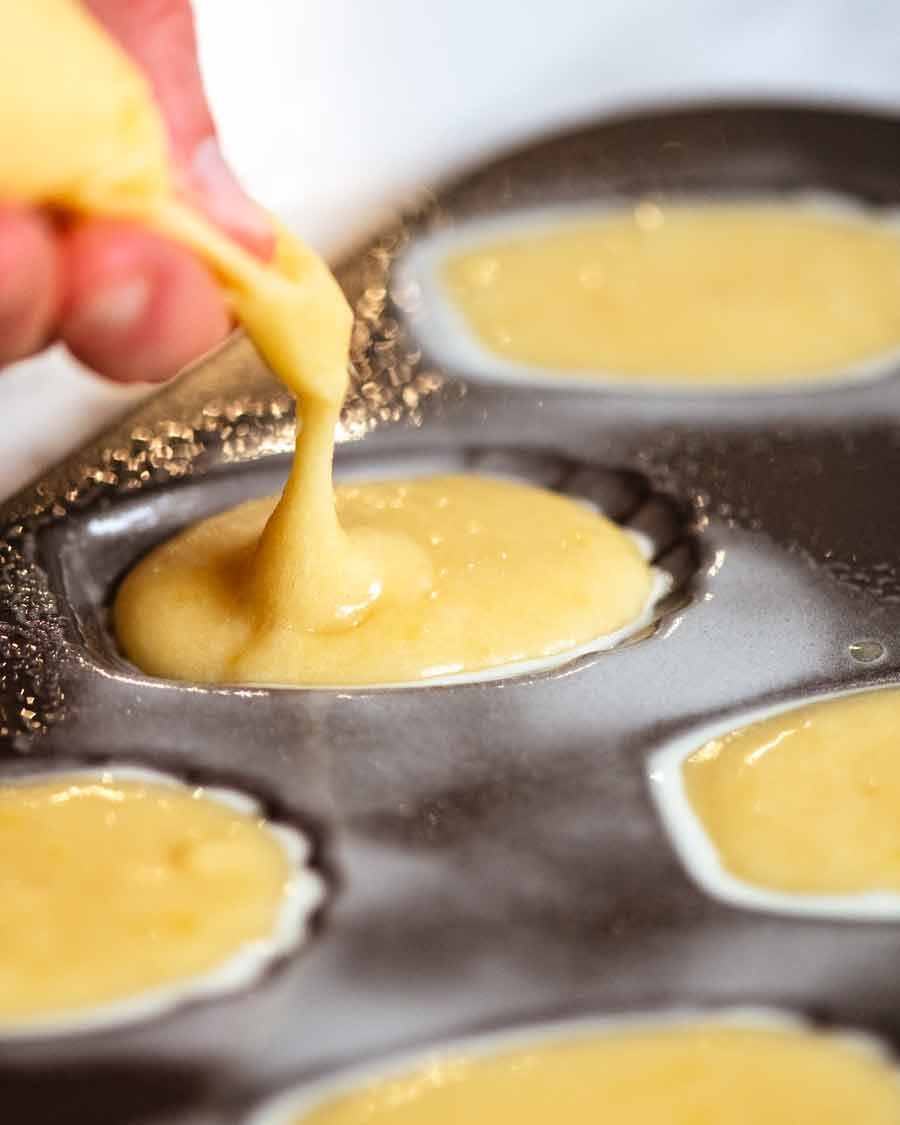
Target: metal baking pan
{"points": [[493, 851]]}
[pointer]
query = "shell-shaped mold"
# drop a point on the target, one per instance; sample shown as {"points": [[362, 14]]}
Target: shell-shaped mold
{"points": [[700, 856], [302, 895], [441, 329], [94, 552], [292, 1106]]}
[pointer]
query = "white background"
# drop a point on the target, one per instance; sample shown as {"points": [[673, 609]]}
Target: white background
{"points": [[333, 110]]}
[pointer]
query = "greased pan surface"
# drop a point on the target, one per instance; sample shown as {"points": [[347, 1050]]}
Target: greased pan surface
{"points": [[493, 849]]}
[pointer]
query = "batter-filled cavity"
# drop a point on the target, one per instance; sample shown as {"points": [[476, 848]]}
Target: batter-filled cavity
{"points": [[470, 573], [708, 294], [681, 1072], [797, 811], [125, 892]]}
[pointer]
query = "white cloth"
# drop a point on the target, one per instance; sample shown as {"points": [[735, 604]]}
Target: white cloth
{"points": [[332, 111]]}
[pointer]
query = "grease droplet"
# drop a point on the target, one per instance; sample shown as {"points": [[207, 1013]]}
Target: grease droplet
{"points": [[866, 652]]}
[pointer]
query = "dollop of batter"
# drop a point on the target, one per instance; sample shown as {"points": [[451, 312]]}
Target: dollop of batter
{"points": [[297, 595], [692, 1074], [502, 572], [806, 801], [112, 888], [82, 132], [701, 294]]}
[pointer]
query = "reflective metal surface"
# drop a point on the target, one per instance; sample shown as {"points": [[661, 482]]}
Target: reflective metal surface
{"points": [[494, 848]]}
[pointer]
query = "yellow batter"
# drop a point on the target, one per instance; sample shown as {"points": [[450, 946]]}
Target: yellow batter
{"points": [[111, 888], [691, 1074], [286, 602], [700, 294], [503, 572], [80, 130], [806, 801]]}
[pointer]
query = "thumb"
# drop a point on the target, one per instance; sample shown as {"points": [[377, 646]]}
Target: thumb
{"points": [[160, 37]]}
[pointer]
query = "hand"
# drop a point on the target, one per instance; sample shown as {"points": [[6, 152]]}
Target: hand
{"points": [[128, 303]]}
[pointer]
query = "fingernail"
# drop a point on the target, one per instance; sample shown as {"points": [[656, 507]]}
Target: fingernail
{"points": [[116, 309], [225, 201]]}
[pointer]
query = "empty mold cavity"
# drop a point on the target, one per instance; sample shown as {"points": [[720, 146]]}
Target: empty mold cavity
{"points": [[745, 739], [443, 330], [582, 1080], [88, 555], [300, 893]]}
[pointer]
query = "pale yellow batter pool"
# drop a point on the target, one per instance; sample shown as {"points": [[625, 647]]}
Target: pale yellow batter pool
{"points": [[114, 888], [809, 800], [477, 573], [705, 294], [690, 1074]]}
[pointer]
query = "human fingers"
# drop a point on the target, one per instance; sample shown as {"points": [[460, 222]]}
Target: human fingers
{"points": [[137, 308], [30, 281]]}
